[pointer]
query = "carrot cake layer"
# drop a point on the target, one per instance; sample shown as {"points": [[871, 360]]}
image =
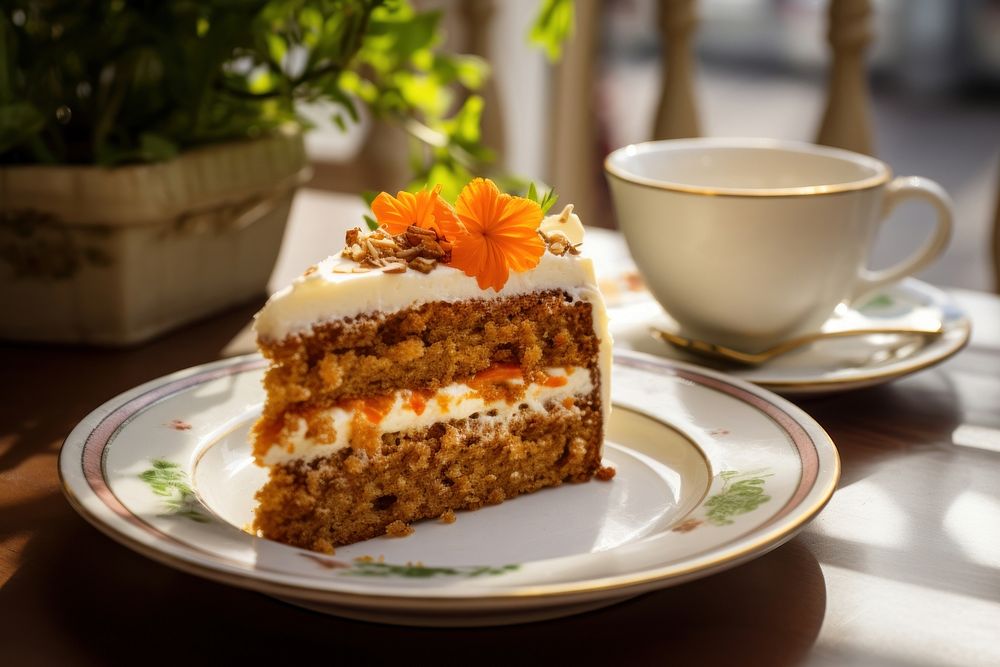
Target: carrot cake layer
{"points": [[418, 347], [459, 464]]}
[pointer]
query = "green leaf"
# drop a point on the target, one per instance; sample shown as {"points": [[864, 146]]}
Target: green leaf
{"points": [[406, 36], [423, 59], [352, 84], [549, 200], [262, 81], [546, 201], [450, 176], [552, 27], [371, 222], [471, 71], [277, 48], [423, 93], [467, 70], [311, 19], [466, 121]]}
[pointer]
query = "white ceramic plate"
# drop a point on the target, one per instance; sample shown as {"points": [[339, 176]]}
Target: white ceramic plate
{"points": [[833, 365], [711, 472]]}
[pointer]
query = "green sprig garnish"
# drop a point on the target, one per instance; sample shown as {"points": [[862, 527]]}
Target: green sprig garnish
{"points": [[546, 201]]}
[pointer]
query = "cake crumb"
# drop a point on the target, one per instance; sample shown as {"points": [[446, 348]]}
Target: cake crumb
{"points": [[687, 525], [324, 546], [354, 465], [448, 517], [605, 473], [398, 529], [369, 559]]}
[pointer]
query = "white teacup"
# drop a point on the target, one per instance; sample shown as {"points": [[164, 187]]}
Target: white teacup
{"points": [[748, 242]]}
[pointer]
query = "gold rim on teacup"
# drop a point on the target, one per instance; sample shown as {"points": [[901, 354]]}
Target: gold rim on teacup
{"points": [[882, 175]]}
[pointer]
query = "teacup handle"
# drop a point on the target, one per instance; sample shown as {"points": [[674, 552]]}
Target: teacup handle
{"points": [[899, 189]]}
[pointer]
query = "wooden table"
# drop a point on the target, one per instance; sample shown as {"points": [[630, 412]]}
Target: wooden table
{"points": [[901, 568]]}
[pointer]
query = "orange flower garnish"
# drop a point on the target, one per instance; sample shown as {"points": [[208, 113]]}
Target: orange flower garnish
{"points": [[500, 234], [425, 209]]}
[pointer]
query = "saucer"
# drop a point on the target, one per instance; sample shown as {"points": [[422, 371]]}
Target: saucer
{"points": [[832, 365]]}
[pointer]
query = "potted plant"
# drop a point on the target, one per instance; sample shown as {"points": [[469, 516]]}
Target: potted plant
{"points": [[149, 151]]}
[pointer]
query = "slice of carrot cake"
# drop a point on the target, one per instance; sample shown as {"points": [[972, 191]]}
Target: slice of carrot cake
{"points": [[450, 359]]}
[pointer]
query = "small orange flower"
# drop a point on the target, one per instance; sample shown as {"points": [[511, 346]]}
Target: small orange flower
{"points": [[425, 209], [500, 234]]}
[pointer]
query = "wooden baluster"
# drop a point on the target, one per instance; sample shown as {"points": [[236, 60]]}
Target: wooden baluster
{"points": [[996, 242], [846, 121], [575, 159], [676, 114], [477, 18]]}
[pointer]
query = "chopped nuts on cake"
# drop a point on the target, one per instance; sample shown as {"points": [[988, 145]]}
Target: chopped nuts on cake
{"points": [[416, 248], [559, 244]]}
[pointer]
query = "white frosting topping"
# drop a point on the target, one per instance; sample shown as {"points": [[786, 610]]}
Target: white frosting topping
{"points": [[326, 295], [454, 401]]}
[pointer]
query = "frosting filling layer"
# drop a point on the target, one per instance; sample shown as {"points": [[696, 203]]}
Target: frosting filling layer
{"points": [[490, 397]]}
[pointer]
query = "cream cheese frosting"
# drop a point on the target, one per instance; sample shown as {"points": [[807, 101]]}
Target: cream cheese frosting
{"points": [[454, 401]]}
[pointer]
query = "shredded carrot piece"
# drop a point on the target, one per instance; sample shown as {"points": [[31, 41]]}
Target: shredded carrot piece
{"points": [[374, 408], [418, 400], [497, 373], [554, 381]]}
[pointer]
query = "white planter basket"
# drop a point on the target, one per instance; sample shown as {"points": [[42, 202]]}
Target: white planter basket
{"points": [[117, 256]]}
